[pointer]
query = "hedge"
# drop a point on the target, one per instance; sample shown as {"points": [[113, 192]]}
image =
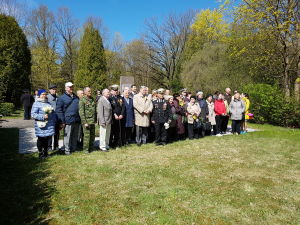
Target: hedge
{"points": [[6, 108], [269, 105]]}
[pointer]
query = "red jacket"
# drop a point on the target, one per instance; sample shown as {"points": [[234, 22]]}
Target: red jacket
{"points": [[220, 107]]}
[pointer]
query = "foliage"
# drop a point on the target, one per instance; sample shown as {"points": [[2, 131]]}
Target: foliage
{"points": [[209, 27], [45, 69], [269, 105], [6, 108], [91, 67], [14, 60], [210, 69]]}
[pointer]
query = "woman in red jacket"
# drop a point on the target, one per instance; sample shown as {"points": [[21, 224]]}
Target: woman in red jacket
{"points": [[221, 113]]}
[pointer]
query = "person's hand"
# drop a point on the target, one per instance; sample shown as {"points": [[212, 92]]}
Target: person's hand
{"points": [[86, 125], [146, 112], [116, 117], [102, 125], [121, 117], [46, 116], [153, 121], [62, 126]]}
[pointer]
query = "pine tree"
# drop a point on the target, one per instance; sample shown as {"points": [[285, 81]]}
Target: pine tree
{"points": [[15, 57], [91, 67]]}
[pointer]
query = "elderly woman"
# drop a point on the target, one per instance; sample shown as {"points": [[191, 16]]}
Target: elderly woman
{"points": [[44, 123], [193, 111], [211, 113], [180, 114], [221, 113], [237, 108], [172, 131]]}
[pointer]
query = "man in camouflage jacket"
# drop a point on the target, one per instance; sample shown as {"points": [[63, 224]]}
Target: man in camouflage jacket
{"points": [[87, 112]]}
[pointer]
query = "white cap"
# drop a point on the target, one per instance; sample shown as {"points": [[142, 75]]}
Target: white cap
{"points": [[69, 84]]}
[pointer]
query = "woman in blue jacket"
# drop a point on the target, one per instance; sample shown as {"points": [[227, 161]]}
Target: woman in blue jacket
{"points": [[44, 123]]}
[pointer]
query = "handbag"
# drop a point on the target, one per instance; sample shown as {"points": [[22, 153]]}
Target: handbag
{"points": [[197, 124]]}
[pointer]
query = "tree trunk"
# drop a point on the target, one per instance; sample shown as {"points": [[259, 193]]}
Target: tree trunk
{"points": [[297, 89], [286, 78]]}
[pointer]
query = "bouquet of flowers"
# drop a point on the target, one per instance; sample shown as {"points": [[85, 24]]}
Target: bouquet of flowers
{"points": [[48, 109]]}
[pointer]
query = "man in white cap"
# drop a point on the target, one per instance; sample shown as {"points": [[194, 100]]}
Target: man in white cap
{"points": [[161, 117], [67, 111]]}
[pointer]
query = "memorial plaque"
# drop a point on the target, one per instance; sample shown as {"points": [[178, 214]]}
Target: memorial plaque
{"points": [[126, 81]]}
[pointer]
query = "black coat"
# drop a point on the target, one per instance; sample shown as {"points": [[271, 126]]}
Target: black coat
{"points": [[27, 100], [117, 105], [161, 111]]}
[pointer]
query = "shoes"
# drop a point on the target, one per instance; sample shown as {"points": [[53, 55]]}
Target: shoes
{"points": [[104, 150], [67, 153], [219, 135]]}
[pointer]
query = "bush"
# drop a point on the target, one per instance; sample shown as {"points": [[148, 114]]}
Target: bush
{"points": [[6, 108], [269, 105]]}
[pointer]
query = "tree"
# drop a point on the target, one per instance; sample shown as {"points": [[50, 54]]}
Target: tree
{"points": [[209, 27], [282, 17], [91, 69], [41, 29], [166, 43], [15, 60], [45, 69], [67, 28]]}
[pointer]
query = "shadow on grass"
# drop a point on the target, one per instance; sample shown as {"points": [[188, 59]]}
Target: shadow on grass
{"points": [[24, 191]]}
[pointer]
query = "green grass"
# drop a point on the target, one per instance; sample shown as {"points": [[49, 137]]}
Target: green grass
{"points": [[247, 179]]}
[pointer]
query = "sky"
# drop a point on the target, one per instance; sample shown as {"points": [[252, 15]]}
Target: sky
{"points": [[126, 17]]}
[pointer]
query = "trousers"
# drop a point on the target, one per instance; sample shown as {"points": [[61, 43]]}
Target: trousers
{"points": [[71, 137], [88, 137]]}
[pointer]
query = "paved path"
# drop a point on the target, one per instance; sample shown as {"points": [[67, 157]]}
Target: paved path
{"points": [[16, 123]]}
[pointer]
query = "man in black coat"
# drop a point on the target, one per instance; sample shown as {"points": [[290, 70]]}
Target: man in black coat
{"points": [[118, 111], [27, 101], [161, 117]]}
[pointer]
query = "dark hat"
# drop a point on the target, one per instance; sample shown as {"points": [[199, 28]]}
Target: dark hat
{"points": [[52, 86]]}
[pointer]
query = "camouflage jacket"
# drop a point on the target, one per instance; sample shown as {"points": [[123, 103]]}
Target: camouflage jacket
{"points": [[87, 110]]}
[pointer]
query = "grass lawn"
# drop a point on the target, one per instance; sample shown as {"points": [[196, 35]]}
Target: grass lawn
{"points": [[247, 179], [17, 114]]}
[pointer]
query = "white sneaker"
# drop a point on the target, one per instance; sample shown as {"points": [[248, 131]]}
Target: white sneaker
{"points": [[219, 135]]}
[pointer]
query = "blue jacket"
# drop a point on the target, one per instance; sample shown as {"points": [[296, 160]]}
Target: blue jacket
{"points": [[67, 109], [129, 113], [38, 113]]}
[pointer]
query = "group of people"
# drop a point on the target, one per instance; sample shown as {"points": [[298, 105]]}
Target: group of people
{"points": [[129, 116]]}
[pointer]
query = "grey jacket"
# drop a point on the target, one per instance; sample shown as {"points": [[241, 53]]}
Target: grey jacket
{"points": [[237, 108], [104, 112], [52, 101]]}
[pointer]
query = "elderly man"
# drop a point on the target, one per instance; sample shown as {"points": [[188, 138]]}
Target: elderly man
{"points": [[161, 117], [52, 99], [87, 112], [68, 116], [104, 119], [118, 110], [142, 108]]}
